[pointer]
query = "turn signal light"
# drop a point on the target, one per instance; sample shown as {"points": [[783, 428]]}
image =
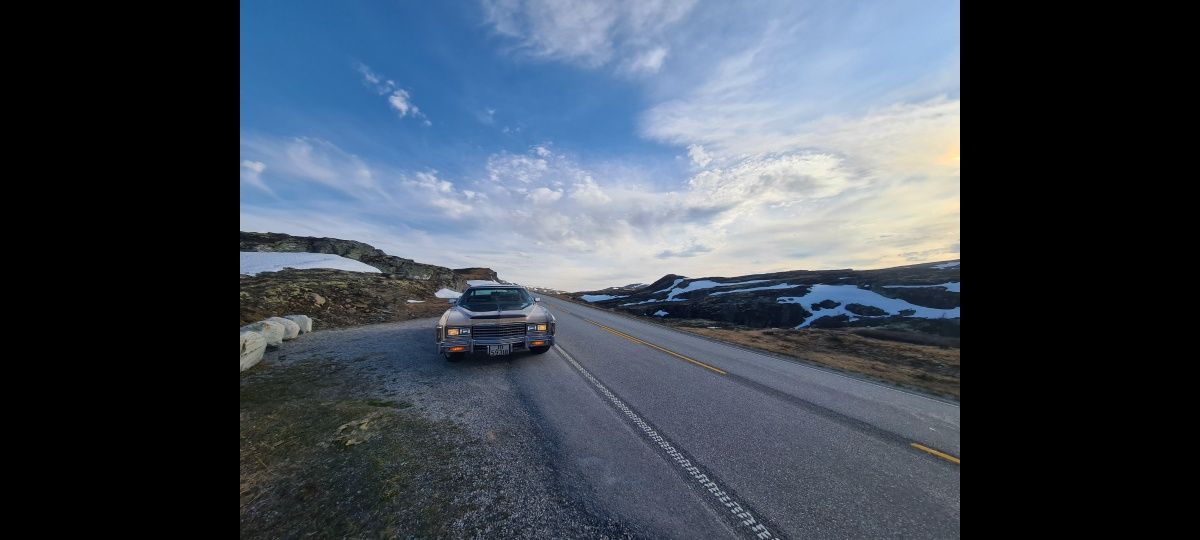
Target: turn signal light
{"points": [[457, 349], [537, 343]]}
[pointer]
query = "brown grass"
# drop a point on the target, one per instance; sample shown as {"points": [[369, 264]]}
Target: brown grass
{"points": [[929, 368]]}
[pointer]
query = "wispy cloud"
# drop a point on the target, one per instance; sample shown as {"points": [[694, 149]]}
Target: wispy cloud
{"points": [[313, 161], [397, 98], [487, 116], [649, 61], [689, 251], [589, 33], [252, 174]]}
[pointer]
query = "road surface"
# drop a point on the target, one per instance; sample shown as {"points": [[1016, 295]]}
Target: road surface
{"points": [[802, 452]]}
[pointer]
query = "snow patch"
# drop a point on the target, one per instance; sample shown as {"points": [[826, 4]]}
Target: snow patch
{"points": [[944, 266], [660, 313], [704, 284], [599, 297], [415, 301], [673, 285], [447, 293], [951, 286], [650, 301], [849, 294], [256, 262], [765, 288]]}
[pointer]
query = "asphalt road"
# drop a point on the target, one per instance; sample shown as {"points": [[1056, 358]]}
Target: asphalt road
{"points": [[806, 452], [631, 429]]}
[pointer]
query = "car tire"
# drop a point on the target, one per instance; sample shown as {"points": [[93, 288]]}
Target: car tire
{"points": [[455, 356], [539, 350]]}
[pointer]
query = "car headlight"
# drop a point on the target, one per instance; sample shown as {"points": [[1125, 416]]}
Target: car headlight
{"points": [[458, 331], [540, 327]]}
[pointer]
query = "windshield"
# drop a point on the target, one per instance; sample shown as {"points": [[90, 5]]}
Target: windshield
{"points": [[485, 299]]}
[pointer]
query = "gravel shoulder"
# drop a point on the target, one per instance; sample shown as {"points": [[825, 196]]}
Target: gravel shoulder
{"points": [[367, 432]]}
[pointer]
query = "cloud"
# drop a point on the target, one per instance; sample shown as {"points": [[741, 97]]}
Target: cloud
{"points": [[649, 61], [699, 157], [397, 98], [400, 102], [522, 168], [545, 195], [690, 251], [313, 161], [487, 116], [252, 174], [588, 33]]}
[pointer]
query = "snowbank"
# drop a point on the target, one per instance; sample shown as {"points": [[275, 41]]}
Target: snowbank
{"points": [[599, 297], [765, 288], [255, 262], [951, 286], [447, 293]]}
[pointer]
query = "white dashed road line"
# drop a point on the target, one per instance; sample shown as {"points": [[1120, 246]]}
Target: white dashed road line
{"points": [[738, 515]]}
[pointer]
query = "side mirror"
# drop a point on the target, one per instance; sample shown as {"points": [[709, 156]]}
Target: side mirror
{"points": [[537, 299], [451, 300]]}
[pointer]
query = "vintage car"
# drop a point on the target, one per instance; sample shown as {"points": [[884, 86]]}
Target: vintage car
{"points": [[497, 320]]}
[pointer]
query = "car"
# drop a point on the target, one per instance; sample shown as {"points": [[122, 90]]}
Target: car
{"points": [[497, 320]]}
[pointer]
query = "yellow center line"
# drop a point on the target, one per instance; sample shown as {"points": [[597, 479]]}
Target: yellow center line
{"points": [[942, 455], [648, 344]]}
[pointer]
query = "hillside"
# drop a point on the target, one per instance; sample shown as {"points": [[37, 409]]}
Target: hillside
{"points": [[922, 297], [342, 283]]}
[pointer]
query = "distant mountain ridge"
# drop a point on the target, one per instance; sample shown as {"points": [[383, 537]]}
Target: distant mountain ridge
{"points": [[923, 296]]}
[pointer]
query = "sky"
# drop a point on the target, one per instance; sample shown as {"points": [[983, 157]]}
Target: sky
{"points": [[582, 144]]}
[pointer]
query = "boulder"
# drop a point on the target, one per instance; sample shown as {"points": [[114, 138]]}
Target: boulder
{"points": [[253, 346], [270, 330], [304, 321], [290, 328]]}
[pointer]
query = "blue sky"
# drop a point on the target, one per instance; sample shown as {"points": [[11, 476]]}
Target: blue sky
{"points": [[581, 144]]}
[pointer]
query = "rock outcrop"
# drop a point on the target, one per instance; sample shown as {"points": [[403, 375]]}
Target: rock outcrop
{"points": [[350, 249], [339, 298]]}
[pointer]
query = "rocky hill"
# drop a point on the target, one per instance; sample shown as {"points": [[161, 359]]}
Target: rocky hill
{"points": [[922, 297], [403, 289]]}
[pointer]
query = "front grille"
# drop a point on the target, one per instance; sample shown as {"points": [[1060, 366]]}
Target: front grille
{"points": [[488, 331]]}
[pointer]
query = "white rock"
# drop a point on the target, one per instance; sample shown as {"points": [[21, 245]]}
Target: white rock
{"points": [[304, 321], [290, 328], [270, 330], [253, 345]]}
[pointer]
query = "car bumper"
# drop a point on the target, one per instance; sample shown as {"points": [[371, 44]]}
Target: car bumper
{"points": [[469, 345]]}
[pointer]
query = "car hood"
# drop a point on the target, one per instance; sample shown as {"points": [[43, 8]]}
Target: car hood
{"points": [[464, 316]]}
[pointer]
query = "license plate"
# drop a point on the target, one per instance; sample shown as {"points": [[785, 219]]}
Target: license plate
{"points": [[499, 350]]}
